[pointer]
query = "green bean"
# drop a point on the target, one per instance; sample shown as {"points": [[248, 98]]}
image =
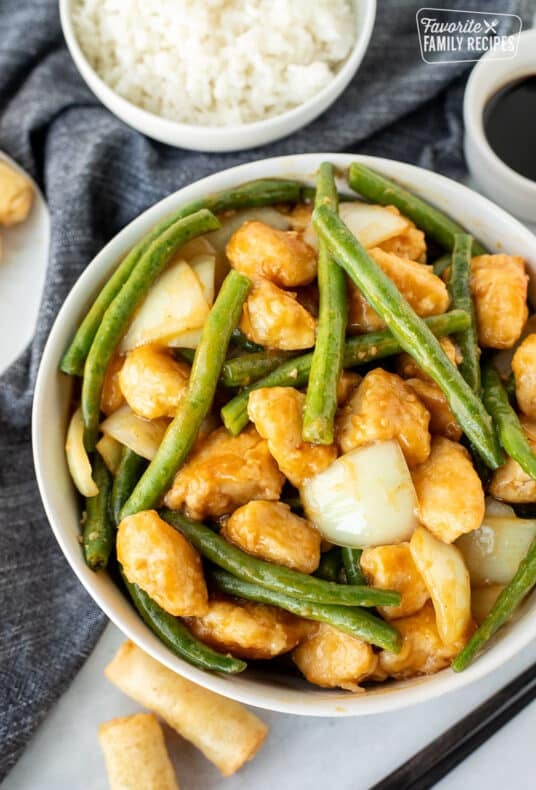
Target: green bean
{"points": [[380, 189], [263, 192], [411, 331], [330, 565], [461, 298], [274, 577], [128, 473], [511, 433], [175, 635], [123, 307], [186, 354], [243, 342], [182, 431], [243, 370], [442, 264], [98, 537], [351, 619], [351, 558], [308, 194], [321, 398], [358, 350], [503, 609]]}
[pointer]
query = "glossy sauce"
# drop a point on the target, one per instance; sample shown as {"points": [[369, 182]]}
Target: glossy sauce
{"points": [[510, 125]]}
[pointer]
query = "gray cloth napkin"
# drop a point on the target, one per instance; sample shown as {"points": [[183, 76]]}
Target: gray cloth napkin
{"points": [[97, 175]]}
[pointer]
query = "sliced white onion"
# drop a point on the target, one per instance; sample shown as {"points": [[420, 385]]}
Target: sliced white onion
{"points": [[110, 452], [77, 457], [371, 224], [493, 551], [186, 339], [204, 267], [499, 509], [483, 599], [364, 498], [142, 436], [267, 214], [446, 578], [176, 303]]}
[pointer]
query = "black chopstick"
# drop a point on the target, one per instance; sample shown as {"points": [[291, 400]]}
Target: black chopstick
{"points": [[428, 766]]}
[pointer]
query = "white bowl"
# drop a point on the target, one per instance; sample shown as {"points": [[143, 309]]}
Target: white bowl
{"points": [[490, 224], [224, 138], [510, 189]]}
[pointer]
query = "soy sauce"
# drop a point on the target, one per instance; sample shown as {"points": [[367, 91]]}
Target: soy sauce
{"points": [[510, 125]]}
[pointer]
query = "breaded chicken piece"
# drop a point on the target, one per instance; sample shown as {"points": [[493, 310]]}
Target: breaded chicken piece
{"points": [[392, 568], [450, 493], [111, 397], [384, 407], [409, 244], [524, 368], [277, 413], [260, 251], [153, 382], [271, 531], [274, 318], [348, 381], [16, 195], [422, 653], [442, 420], [509, 482], [499, 288], [333, 659], [247, 629], [425, 292], [409, 369], [224, 472], [160, 560]]}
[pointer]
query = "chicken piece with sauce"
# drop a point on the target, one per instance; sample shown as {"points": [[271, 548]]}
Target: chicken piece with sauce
{"points": [[274, 318], [425, 292], [384, 407], [524, 368], [499, 288], [262, 252], [224, 472], [442, 420], [333, 659], [423, 652], [247, 629], [271, 531], [510, 482], [409, 369], [160, 560], [392, 568], [152, 382], [16, 195], [450, 493], [277, 413]]}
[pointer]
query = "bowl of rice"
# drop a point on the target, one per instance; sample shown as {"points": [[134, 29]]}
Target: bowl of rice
{"points": [[221, 75]]}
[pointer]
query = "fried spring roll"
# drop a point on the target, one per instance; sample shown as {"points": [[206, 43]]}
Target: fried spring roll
{"points": [[226, 732], [135, 754]]}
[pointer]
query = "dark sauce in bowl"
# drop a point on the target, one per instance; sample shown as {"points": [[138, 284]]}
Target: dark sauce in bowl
{"points": [[510, 125]]}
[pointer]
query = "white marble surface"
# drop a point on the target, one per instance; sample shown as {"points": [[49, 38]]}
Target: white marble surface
{"points": [[301, 753]]}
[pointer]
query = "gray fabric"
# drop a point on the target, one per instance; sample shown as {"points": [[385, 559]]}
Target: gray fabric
{"points": [[97, 175]]}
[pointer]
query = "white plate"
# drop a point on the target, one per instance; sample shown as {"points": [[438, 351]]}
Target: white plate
{"points": [[22, 275]]}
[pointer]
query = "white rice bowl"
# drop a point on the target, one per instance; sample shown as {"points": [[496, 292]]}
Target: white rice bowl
{"points": [[216, 62]]}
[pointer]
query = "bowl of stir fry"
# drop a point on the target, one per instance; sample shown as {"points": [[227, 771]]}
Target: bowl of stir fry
{"points": [[285, 431]]}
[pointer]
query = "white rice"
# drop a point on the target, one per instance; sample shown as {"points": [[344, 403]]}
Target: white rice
{"points": [[215, 62]]}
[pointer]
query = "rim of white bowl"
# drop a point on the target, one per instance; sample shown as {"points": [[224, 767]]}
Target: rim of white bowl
{"points": [[165, 128], [309, 702], [475, 100]]}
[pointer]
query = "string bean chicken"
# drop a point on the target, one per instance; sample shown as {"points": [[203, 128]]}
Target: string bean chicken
{"points": [[294, 438]]}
